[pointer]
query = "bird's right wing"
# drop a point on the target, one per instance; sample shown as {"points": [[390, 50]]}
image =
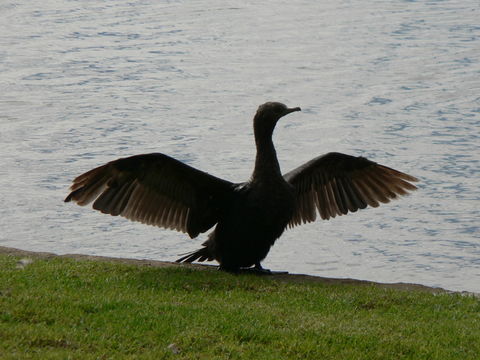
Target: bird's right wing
{"points": [[154, 189], [335, 184]]}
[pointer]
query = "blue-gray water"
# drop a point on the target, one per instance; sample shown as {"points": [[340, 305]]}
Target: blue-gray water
{"points": [[85, 82]]}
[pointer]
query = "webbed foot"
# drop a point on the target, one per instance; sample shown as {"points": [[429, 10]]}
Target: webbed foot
{"points": [[257, 270], [260, 270]]}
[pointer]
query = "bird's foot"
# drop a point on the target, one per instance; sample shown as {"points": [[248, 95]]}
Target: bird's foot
{"points": [[260, 270], [257, 270]]}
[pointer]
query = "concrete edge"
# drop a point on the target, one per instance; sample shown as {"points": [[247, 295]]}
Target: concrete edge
{"points": [[283, 277]]}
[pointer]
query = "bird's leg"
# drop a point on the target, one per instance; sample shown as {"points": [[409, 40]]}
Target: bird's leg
{"points": [[259, 269]]}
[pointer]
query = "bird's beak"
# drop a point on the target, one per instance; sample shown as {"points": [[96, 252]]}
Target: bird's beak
{"points": [[290, 110]]}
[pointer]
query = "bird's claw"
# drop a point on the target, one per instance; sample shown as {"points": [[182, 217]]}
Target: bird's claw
{"points": [[257, 270]]}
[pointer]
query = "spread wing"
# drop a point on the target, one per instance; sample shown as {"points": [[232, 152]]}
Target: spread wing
{"points": [[154, 189], [335, 184]]}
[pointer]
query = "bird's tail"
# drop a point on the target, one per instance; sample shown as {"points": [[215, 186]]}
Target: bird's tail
{"points": [[202, 254]]}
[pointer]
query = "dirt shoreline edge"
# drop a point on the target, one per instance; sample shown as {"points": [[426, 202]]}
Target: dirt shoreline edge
{"points": [[284, 277]]}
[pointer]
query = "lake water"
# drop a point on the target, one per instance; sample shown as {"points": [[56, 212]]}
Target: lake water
{"points": [[85, 82]]}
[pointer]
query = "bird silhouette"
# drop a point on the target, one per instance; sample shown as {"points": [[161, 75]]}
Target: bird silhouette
{"points": [[249, 217]]}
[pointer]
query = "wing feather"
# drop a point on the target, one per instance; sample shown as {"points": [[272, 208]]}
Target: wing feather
{"points": [[154, 189], [336, 184]]}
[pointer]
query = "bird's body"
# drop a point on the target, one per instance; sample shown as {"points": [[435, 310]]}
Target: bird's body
{"points": [[254, 217], [250, 216]]}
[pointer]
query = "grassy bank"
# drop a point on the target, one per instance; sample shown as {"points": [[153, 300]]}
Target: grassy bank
{"points": [[59, 308]]}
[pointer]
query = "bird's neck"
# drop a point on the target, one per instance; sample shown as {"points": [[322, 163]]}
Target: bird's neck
{"points": [[266, 162]]}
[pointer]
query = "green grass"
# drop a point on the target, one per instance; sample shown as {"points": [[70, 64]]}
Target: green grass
{"points": [[62, 308]]}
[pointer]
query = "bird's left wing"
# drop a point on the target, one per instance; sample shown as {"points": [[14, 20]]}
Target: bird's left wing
{"points": [[335, 184], [154, 189]]}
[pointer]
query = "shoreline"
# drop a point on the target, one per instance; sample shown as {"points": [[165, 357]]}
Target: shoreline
{"points": [[283, 277]]}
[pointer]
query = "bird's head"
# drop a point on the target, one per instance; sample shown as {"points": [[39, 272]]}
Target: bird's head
{"points": [[267, 116]]}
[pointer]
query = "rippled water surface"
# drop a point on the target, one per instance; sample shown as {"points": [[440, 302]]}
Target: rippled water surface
{"points": [[85, 82]]}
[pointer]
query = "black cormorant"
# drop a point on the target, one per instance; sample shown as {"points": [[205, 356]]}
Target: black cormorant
{"points": [[156, 189]]}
